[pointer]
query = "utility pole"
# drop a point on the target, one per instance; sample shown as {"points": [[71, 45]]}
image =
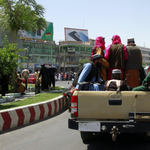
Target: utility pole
{"points": [[59, 59], [64, 60]]}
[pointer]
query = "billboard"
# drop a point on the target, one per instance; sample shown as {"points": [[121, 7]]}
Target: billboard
{"points": [[72, 34], [47, 34]]}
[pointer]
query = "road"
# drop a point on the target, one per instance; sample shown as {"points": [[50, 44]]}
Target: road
{"points": [[53, 134], [65, 84]]}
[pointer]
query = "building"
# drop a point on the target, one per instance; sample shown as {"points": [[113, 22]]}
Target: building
{"points": [[145, 55], [70, 52], [41, 49], [40, 52]]}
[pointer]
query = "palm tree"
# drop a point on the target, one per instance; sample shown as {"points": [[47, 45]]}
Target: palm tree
{"points": [[21, 15]]}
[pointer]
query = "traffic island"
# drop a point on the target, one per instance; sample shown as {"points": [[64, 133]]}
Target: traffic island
{"points": [[20, 116]]}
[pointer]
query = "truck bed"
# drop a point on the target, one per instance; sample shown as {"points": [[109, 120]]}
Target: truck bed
{"points": [[108, 105]]}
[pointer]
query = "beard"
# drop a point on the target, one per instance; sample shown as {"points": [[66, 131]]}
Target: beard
{"points": [[98, 65]]}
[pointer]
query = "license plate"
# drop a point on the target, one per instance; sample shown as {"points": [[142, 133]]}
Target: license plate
{"points": [[90, 126]]}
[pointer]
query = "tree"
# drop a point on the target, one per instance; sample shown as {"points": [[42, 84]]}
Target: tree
{"points": [[9, 59], [18, 15], [82, 61]]}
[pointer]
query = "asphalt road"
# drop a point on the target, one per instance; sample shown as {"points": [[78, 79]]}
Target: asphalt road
{"points": [[65, 84], [53, 134]]}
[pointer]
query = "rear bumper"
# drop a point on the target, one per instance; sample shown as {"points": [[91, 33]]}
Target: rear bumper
{"points": [[106, 126]]}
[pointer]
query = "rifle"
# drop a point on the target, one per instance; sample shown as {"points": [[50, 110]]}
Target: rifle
{"points": [[127, 78]]}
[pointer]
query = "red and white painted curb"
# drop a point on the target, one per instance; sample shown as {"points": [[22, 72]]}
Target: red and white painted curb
{"points": [[19, 116]]}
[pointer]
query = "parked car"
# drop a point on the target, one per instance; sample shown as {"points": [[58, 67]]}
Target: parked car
{"points": [[31, 79]]}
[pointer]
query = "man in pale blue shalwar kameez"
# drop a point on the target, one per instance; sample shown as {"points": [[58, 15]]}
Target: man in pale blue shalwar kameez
{"points": [[90, 69]]}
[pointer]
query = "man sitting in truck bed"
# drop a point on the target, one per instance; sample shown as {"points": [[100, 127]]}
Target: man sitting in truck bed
{"points": [[145, 84], [116, 84], [89, 73]]}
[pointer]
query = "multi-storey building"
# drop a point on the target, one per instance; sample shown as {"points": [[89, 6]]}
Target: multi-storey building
{"points": [[145, 55], [70, 52], [40, 52]]}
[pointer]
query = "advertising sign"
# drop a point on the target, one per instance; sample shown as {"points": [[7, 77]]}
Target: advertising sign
{"points": [[47, 34], [72, 34]]}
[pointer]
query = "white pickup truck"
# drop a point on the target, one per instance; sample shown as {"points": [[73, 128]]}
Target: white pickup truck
{"points": [[109, 111]]}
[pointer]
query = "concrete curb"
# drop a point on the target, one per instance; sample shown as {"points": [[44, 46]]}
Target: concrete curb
{"points": [[19, 116]]}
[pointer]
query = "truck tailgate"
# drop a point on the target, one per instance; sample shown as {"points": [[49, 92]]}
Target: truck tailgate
{"points": [[110, 105]]}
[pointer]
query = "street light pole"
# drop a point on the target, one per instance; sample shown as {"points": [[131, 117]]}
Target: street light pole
{"points": [[59, 58], [27, 54]]}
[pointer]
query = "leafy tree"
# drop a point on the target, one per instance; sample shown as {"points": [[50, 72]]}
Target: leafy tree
{"points": [[82, 61], [9, 59], [18, 15]]}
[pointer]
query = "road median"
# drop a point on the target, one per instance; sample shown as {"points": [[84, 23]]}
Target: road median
{"points": [[23, 115]]}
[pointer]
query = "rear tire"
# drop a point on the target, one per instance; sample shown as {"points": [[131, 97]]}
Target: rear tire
{"points": [[86, 136]]}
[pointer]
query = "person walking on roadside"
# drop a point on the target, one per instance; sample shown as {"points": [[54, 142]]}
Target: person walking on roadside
{"points": [[116, 54], [133, 64], [59, 77], [99, 49], [44, 74], [51, 72], [25, 75], [37, 82]]}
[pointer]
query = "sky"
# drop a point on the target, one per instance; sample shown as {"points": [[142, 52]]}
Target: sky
{"points": [[128, 18]]}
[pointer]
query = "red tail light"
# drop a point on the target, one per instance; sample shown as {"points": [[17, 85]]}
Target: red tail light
{"points": [[74, 106], [64, 94]]}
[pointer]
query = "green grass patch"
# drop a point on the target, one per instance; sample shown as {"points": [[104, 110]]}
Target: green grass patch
{"points": [[32, 100]]}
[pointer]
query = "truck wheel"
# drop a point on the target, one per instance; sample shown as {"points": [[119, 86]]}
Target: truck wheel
{"points": [[146, 136], [86, 136]]}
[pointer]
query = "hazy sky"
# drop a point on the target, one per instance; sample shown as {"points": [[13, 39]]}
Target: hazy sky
{"points": [[128, 18]]}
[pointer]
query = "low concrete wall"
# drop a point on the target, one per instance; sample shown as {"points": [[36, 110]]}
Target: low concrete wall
{"points": [[19, 116]]}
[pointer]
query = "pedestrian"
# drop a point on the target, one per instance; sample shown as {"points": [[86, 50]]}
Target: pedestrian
{"points": [[51, 72], [59, 77], [116, 54], [99, 49], [44, 74], [18, 75], [25, 75], [133, 64], [20, 86], [37, 82]]}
